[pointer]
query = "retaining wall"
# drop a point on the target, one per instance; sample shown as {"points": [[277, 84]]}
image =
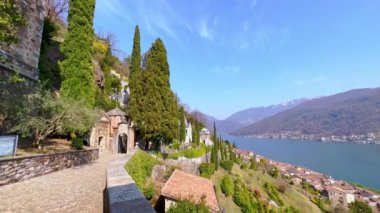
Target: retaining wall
{"points": [[122, 194], [22, 168]]}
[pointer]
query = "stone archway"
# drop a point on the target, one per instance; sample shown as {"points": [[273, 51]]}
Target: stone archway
{"points": [[122, 143], [101, 144]]}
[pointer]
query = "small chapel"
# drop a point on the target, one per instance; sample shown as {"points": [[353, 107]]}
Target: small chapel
{"points": [[113, 133]]}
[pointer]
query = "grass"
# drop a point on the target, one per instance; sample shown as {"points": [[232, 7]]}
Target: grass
{"points": [[225, 202], [293, 195], [52, 145], [188, 153], [139, 167]]}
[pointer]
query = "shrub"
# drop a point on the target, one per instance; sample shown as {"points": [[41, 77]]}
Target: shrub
{"points": [[188, 207], [227, 185], [273, 193], [188, 153], [359, 206], [206, 169], [245, 199], [139, 167], [243, 166], [253, 164], [257, 193], [282, 188], [158, 154], [77, 143], [291, 209], [176, 146], [170, 171], [274, 172], [175, 155], [150, 191], [227, 165], [194, 152], [237, 160]]}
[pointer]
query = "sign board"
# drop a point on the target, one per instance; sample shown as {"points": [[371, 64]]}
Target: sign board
{"points": [[8, 145]]}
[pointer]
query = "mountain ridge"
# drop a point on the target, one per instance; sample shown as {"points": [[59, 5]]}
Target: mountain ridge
{"points": [[248, 116], [355, 111]]}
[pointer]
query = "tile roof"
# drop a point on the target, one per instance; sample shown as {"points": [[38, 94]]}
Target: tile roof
{"points": [[116, 112], [182, 185]]}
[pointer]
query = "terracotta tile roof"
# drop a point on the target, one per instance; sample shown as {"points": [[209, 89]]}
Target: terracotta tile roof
{"points": [[334, 189], [242, 152], [182, 185]]}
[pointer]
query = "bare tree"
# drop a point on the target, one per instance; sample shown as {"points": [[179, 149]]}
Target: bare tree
{"points": [[55, 8], [199, 116]]}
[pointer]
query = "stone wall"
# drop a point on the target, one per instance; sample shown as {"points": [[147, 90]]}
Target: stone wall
{"points": [[22, 168], [24, 55], [122, 194]]}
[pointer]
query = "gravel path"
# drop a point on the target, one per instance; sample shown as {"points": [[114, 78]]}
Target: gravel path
{"points": [[78, 189]]}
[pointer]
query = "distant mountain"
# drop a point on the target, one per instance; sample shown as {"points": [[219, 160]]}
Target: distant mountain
{"points": [[249, 116], [353, 112]]}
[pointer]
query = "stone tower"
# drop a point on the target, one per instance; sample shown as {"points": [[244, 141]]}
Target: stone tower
{"points": [[24, 55]]}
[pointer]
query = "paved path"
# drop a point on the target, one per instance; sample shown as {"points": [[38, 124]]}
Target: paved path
{"points": [[78, 189]]}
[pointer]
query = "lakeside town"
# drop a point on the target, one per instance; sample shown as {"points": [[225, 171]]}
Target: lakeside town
{"points": [[337, 191], [370, 138]]}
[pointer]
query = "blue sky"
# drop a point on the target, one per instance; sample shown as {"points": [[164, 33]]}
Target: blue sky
{"points": [[228, 55]]}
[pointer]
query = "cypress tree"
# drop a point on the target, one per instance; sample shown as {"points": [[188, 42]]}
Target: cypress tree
{"points": [[216, 148], [217, 155], [77, 69], [150, 119], [213, 158], [214, 138], [170, 109], [135, 80], [222, 156], [182, 132], [159, 107], [195, 132], [225, 150]]}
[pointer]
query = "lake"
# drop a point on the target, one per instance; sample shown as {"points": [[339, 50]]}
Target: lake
{"points": [[359, 163]]}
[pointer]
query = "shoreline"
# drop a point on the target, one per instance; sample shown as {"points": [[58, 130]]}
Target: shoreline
{"points": [[326, 185], [307, 139]]}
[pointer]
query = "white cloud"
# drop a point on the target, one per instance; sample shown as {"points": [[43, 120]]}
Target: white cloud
{"points": [[157, 18], [226, 70], [112, 7], [204, 31]]}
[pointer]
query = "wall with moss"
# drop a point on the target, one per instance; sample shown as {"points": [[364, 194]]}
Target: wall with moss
{"points": [[23, 56]]}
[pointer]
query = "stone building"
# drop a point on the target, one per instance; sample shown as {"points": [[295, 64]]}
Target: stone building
{"points": [[123, 96], [24, 55], [113, 133], [189, 132], [205, 137]]}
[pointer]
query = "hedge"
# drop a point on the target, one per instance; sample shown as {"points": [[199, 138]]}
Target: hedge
{"points": [[227, 164], [206, 169], [194, 152], [139, 167], [188, 153], [227, 185], [188, 207]]}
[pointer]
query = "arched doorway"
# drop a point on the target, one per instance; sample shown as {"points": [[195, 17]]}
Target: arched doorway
{"points": [[122, 143], [101, 144]]}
